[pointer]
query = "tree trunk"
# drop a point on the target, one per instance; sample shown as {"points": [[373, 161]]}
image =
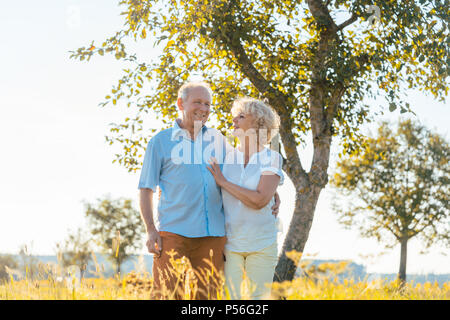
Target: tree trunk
{"points": [[305, 204], [82, 270], [403, 254], [118, 267], [324, 100], [322, 111]]}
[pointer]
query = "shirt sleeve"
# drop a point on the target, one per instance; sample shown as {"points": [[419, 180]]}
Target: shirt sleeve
{"points": [[274, 166], [151, 167]]}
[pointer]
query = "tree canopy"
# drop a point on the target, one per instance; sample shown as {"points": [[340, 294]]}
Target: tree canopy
{"points": [[116, 227], [398, 187], [76, 250]]}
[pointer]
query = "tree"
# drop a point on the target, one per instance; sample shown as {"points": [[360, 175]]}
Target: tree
{"points": [[76, 250], [6, 261], [401, 182], [116, 227], [313, 61], [29, 263]]}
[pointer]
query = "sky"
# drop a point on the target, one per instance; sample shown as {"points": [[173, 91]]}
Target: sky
{"points": [[52, 136]]}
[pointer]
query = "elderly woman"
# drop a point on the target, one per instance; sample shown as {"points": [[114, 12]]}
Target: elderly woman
{"points": [[250, 177]]}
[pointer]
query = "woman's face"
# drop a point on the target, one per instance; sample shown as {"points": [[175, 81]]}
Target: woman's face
{"points": [[242, 123]]}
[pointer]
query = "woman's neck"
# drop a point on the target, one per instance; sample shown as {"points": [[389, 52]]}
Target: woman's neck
{"points": [[248, 148]]}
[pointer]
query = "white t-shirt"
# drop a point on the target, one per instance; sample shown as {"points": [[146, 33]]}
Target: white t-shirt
{"points": [[250, 229]]}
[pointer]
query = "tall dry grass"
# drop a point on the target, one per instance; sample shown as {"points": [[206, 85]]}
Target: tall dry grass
{"points": [[57, 283]]}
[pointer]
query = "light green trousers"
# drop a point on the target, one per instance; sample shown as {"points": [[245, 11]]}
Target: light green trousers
{"points": [[249, 275]]}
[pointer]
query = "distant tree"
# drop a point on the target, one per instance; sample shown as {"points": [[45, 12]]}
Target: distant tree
{"points": [[7, 260], [28, 262], [116, 227], [398, 188], [314, 61], [76, 250]]}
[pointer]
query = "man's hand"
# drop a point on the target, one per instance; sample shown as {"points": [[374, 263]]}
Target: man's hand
{"points": [[154, 243], [276, 206]]}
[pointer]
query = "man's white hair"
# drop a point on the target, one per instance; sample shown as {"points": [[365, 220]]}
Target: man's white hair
{"points": [[183, 92]]}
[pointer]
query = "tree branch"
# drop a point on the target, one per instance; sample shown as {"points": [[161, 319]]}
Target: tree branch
{"points": [[276, 99], [321, 14], [345, 24]]}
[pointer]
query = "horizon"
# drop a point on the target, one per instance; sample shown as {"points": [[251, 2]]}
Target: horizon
{"points": [[132, 260]]}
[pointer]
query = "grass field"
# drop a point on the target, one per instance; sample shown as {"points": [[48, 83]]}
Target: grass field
{"points": [[322, 284], [138, 289]]}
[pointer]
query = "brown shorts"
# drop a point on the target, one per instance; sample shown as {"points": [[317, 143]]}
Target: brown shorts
{"points": [[205, 255]]}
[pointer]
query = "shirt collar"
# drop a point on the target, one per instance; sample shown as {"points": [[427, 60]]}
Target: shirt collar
{"points": [[178, 131]]}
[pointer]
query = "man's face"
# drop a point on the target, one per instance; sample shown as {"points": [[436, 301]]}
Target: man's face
{"points": [[196, 107]]}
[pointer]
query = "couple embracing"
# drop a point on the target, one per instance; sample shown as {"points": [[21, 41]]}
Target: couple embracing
{"points": [[218, 204]]}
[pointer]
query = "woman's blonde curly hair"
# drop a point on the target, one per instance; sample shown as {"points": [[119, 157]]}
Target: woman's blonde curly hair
{"points": [[265, 117]]}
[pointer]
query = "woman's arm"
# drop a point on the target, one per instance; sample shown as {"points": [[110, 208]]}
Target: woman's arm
{"points": [[255, 199]]}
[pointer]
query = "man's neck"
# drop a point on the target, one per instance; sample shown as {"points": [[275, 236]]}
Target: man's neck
{"points": [[189, 128]]}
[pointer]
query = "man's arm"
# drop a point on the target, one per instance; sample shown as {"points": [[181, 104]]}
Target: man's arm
{"points": [[154, 243]]}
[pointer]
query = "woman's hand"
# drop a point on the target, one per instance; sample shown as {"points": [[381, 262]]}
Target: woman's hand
{"points": [[216, 172]]}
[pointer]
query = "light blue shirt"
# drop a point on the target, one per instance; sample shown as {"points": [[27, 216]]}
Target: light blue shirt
{"points": [[191, 201]]}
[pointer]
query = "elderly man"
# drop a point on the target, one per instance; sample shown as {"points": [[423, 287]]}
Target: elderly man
{"points": [[190, 211]]}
